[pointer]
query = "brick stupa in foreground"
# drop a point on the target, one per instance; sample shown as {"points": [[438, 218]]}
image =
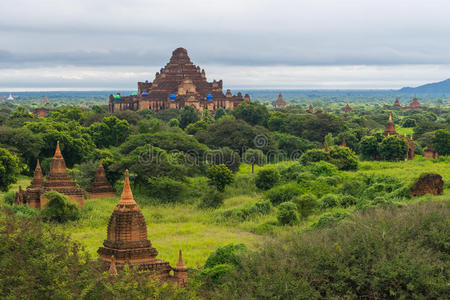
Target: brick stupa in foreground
{"points": [[101, 188], [127, 242], [57, 180]]}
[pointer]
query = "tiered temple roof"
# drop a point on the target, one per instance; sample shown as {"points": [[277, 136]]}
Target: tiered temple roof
{"points": [[280, 103], [180, 83], [347, 108], [310, 110], [397, 102], [58, 180], [415, 103], [101, 188], [390, 127], [127, 241]]}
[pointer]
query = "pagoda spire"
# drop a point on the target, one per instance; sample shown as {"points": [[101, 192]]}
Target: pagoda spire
{"points": [[326, 147], [180, 263], [127, 196], [112, 267], [37, 177], [390, 117]]}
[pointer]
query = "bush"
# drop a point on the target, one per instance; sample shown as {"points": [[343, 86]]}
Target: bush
{"points": [[306, 204], [228, 254], [347, 200], [9, 197], [212, 199], [242, 214], [323, 168], [59, 208], [329, 201], [219, 176], [165, 189], [330, 219], [25, 211], [394, 253], [343, 158], [352, 187], [283, 193], [314, 155], [267, 178], [287, 213]]}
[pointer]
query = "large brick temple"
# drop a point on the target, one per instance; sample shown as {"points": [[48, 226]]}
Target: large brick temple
{"points": [[180, 83], [127, 242]]}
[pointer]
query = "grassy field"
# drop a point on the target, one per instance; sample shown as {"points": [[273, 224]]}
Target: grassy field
{"points": [[199, 232]]}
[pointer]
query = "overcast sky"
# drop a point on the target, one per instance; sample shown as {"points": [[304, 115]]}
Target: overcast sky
{"points": [[281, 44]]}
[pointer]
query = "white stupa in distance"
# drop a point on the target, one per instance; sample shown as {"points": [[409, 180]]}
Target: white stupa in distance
{"points": [[10, 97]]}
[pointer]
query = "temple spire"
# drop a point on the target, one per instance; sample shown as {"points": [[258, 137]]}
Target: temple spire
{"points": [[112, 267], [180, 263], [127, 195], [58, 150], [390, 117]]}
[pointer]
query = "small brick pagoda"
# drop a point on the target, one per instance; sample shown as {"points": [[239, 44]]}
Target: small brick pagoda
{"points": [[57, 180], [280, 103], [310, 109], [390, 127], [101, 188], [415, 104], [347, 109], [390, 131], [180, 83], [127, 242]]}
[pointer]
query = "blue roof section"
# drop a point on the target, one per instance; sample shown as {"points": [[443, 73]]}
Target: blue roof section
{"points": [[173, 97], [209, 97], [144, 94]]}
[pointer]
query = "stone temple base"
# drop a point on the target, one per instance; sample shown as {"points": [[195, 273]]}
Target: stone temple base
{"points": [[91, 195]]}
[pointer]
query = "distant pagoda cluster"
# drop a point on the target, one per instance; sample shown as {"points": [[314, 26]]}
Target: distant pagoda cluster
{"points": [[413, 105], [180, 83]]}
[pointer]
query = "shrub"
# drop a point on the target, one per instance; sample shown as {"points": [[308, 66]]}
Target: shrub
{"points": [[165, 189], [352, 187], [330, 219], [219, 176], [382, 253], [25, 211], [259, 208], [228, 254], [267, 178], [343, 158], [287, 213], [393, 148], [329, 201], [323, 168], [347, 200], [9, 197], [283, 193], [314, 155], [59, 208], [306, 204], [212, 199]]}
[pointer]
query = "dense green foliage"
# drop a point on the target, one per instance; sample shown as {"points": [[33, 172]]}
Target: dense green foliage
{"points": [[353, 260], [59, 208], [8, 169], [219, 176]]}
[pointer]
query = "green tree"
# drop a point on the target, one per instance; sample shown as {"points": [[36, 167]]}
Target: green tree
{"points": [[393, 148], [8, 169], [226, 156], [306, 204], [220, 176], [369, 147], [110, 132], [252, 113], [59, 208], [174, 123], [287, 213], [254, 156], [188, 116], [193, 128], [267, 178], [441, 142], [219, 114], [409, 122]]}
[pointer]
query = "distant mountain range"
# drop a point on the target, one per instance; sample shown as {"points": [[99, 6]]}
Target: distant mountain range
{"points": [[442, 87]]}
